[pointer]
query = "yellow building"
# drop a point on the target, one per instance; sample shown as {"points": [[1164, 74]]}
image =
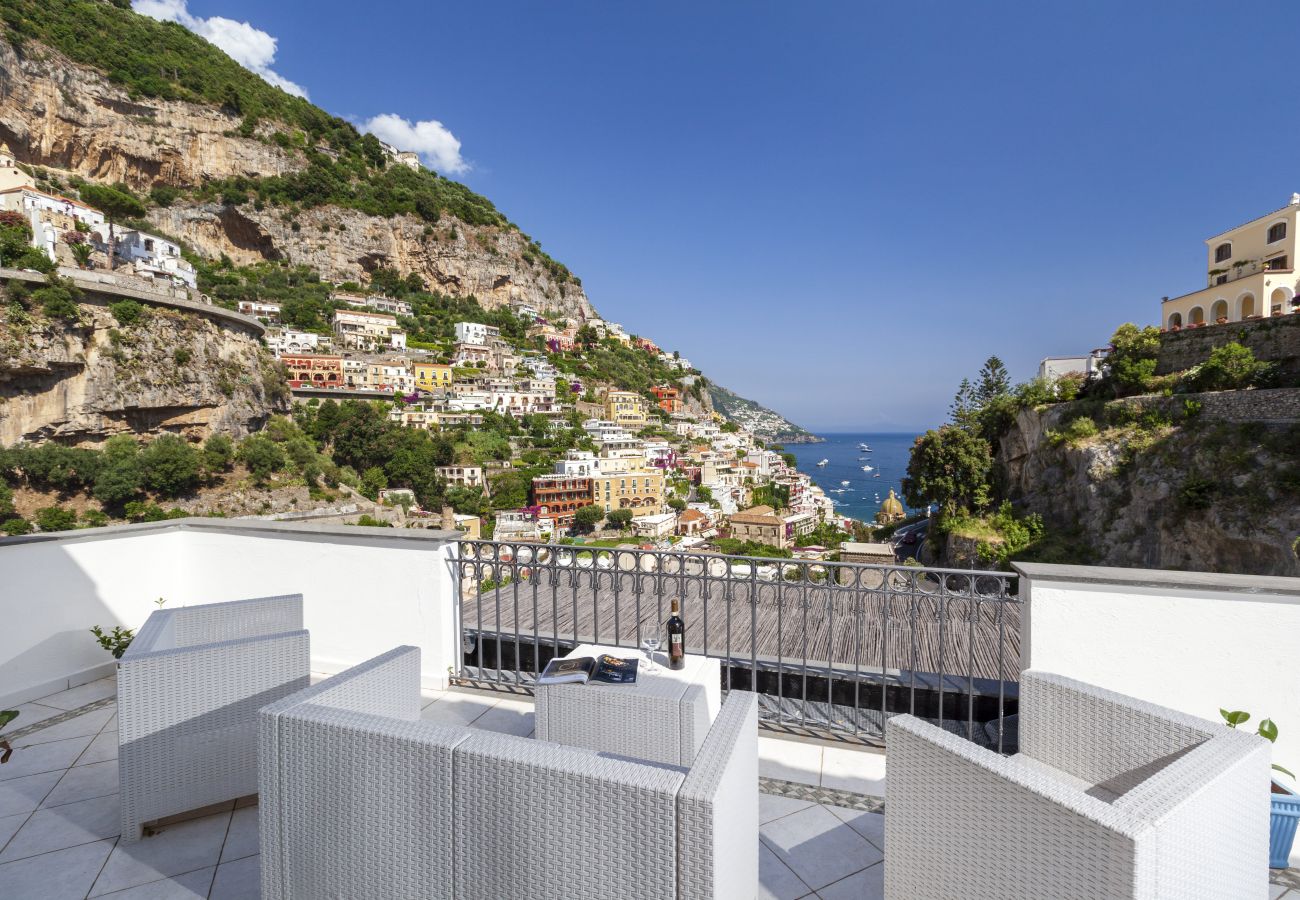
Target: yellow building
{"points": [[432, 376], [626, 408], [1250, 273], [641, 492]]}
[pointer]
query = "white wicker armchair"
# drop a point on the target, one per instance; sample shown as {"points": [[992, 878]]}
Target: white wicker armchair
{"points": [[1110, 798], [361, 798], [188, 691]]}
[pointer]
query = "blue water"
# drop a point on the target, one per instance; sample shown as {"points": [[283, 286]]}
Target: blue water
{"points": [[888, 456]]}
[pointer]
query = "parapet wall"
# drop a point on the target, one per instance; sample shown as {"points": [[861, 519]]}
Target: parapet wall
{"points": [[1276, 339]]}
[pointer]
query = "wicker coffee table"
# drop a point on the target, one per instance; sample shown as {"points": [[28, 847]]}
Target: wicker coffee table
{"points": [[664, 717]]}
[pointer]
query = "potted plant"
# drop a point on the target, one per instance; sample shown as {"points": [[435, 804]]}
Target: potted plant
{"points": [[1286, 805]]}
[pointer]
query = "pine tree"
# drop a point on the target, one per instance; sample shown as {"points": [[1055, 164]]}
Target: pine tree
{"points": [[994, 382], [963, 410]]}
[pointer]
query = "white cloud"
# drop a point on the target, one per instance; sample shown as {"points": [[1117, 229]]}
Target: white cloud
{"points": [[251, 47], [437, 146]]}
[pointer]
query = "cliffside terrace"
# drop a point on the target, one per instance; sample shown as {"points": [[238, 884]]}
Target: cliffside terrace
{"points": [[833, 651]]}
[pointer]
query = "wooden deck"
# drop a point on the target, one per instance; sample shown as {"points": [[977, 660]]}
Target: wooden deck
{"points": [[849, 629]]}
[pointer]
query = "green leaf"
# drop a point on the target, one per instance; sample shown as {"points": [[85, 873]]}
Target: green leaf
{"points": [[1267, 730], [7, 716], [1234, 718], [1287, 772]]}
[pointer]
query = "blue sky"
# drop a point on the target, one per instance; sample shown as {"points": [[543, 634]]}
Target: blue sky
{"points": [[837, 209]]}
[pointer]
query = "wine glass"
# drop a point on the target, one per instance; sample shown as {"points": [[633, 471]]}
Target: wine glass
{"points": [[651, 644]]}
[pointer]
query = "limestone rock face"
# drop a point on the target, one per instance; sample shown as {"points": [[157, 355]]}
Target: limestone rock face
{"points": [[171, 372], [345, 244], [1136, 504], [55, 113]]}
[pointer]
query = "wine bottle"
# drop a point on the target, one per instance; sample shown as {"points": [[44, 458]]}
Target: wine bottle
{"points": [[676, 629]]}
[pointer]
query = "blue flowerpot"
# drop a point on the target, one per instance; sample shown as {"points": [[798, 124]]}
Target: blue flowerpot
{"points": [[1281, 833]]}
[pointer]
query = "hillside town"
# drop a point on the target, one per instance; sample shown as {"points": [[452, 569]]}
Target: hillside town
{"points": [[657, 469]]}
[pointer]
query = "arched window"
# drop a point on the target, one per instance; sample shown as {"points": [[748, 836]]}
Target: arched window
{"points": [[1223, 252], [1219, 311], [1245, 306], [1276, 231], [1176, 320], [1196, 316]]}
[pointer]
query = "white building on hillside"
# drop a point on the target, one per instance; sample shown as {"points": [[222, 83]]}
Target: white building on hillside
{"points": [[475, 333], [152, 256]]}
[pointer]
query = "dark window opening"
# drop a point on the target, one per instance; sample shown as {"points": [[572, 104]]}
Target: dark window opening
{"points": [[1222, 252], [1276, 232]]}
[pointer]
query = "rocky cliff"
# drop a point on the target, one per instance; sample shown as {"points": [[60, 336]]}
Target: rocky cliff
{"points": [[1208, 483], [56, 113], [486, 262], [171, 371]]}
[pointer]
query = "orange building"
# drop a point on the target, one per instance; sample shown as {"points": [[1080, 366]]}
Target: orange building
{"points": [[314, 371], [670, 398], [558, 496]]}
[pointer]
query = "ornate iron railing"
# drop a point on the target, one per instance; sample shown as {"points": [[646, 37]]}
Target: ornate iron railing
{"points": [[833, 649]]}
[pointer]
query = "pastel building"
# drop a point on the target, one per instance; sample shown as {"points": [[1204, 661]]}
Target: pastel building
{"points": [[1250, 274]]}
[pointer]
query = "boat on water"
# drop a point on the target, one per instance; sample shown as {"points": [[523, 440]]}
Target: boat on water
{"points": [[844, 483], [864, 447], [877, 475], [823, 462], [867, 468]]}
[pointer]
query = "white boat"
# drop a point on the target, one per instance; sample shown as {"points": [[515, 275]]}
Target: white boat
{"points": [[867, 468], [864, 447], [823, 462], [877, 475], [844, 483]]}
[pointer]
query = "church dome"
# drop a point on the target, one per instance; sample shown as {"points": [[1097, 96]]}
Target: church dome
{"points": [[891, 506]]}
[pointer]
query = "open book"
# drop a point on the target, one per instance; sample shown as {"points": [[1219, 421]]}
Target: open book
{"points": [[603, 669]]}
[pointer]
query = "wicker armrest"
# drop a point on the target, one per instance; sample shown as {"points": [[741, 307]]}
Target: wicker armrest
{"points": [[1100, 736], [214, 623], [717, 808], [966, 822]]}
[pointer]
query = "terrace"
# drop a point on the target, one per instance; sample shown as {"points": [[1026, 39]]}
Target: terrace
{"points": [[832, 652]]}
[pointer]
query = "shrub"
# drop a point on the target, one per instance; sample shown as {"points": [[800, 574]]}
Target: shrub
{"points": [[262, 456], [116, 641], [56, 518], [141, 511], [170, 466], [1197, 492], [94, 518], [14, 527], [1229, 368], [58, 301], [6, 501], [218, 453], [1073, 432], [127, 312], [120, 479]]}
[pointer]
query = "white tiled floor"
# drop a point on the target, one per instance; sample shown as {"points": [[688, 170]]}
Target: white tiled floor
{"points": [[59, 814]]}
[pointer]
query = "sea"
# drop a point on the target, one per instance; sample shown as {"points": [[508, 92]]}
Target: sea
{"points": [[861, 498]]}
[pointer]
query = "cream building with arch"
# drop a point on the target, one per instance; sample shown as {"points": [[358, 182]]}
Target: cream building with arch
{"points": [[1251, 273]]}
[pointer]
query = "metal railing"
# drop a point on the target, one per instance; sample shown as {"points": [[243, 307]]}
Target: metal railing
{"points": [[832, 649]]}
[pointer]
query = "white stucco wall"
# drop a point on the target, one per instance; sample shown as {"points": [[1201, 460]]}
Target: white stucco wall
{"points": [[364, 591], [1196, 642]]}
